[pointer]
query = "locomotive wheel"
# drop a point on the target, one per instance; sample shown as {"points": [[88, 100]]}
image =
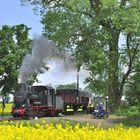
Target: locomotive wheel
{"points": [[29, 112], [40, 113]]}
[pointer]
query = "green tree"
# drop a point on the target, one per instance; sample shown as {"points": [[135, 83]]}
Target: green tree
{"points": [[14, 43], [133, 90], [92, 29], [67, 86]]}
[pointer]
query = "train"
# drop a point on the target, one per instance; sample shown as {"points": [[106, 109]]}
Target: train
{"points": [[42, 101], [74, 101]]}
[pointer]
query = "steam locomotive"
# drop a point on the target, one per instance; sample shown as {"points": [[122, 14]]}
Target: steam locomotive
{"points": [[41, 101]]}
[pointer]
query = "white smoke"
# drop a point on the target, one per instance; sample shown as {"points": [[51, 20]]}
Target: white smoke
{"points": [[44, 50], [56, 76]]}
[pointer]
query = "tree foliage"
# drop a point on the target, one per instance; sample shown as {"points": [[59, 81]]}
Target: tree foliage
{"points": [[133, 90], [14, 43], [92, 29], [67, 86]]}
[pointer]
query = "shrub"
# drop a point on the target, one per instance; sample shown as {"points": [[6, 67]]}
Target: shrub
{"points": [[128, 111]]}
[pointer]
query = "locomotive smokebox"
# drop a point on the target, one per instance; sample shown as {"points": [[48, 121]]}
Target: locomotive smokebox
{"points": [[21, 95]]}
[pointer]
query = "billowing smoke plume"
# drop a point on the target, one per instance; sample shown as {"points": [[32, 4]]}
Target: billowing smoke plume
{"points": [[43, 50]]}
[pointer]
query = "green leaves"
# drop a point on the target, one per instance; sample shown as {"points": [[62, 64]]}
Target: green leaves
{"points": [[133, 90], [67, 86], [14, 42]]}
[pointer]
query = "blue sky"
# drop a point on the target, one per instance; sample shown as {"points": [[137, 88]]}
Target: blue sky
{"points": [[12, 13]]}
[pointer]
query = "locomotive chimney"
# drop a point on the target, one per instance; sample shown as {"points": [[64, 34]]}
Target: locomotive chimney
{"points": [[24, 87]]}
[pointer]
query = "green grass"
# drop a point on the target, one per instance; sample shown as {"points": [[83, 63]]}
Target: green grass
{"points": [[105, 124], [128, 121]]}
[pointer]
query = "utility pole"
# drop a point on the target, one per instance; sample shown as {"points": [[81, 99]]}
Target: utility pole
{"points": [[77, 81], [77, 85]]}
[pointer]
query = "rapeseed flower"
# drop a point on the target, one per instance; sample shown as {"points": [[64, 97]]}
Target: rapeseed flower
{"points": [[67, 132]]}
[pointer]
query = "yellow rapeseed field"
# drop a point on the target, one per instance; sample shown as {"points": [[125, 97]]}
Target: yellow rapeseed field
{"points": [[7, 109], [58, 132]]}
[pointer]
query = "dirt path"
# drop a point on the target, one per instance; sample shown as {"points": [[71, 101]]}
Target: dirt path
{"points": [[104, 123]]}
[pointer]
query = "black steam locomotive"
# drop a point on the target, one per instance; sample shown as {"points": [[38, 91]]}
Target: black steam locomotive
{"points": [[40, 101]]}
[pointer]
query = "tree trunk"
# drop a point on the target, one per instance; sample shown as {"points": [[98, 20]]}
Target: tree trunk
{"points": [[113, 90]]}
